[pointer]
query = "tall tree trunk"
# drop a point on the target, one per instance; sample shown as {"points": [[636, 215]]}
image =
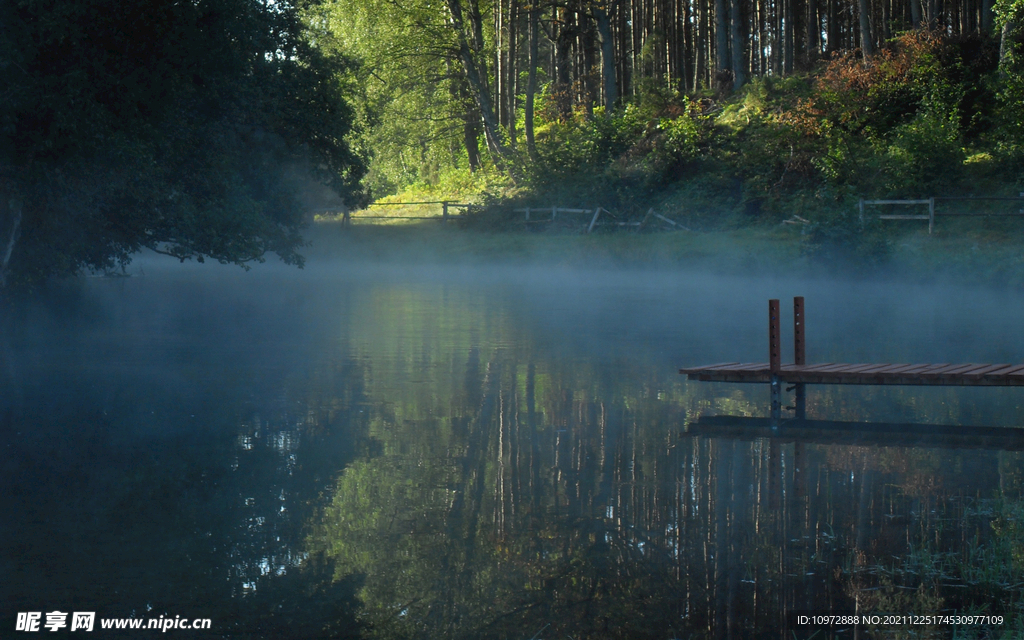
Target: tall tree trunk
{"points": [[779, 38], [866, 44], [885, 21], [604, 29], [512, 76], [531, 81], [915, 13], [813, 32], [738, 36], [986, 16], [686, 46], [470, 135], [790, 41], [832, 28], [721, 38], [587, 54], [461, 94], [1006, 48], [701, 45], [564, 35], [499, 62]]}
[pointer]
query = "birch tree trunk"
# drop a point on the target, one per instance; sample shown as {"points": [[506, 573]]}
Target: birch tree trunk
{"points": [[531, 82], [1006, 48], [474, 63], [512, 75]]}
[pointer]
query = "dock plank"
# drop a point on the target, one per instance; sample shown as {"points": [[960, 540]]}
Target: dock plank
{"points": [[889, 369], [953, 370], [1016, 369], [990, 370], [813, 368], [871, 370]]}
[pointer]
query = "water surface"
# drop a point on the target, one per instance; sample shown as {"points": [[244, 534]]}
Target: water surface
{"points": [[400, 452]]}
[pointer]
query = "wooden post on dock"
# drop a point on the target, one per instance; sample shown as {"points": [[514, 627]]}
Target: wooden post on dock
{"points": [[931, 215], [800, 354], [774, 358], [444, 212]]}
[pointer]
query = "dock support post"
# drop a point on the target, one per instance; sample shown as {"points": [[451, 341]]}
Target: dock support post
{"points": [[444, 212], [800, 355], [774, 360], [931, 215]]}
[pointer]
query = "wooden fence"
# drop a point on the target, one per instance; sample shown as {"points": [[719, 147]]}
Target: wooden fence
{"points": [[930, 216], [447, 207], [598, 216], [542, 215]]}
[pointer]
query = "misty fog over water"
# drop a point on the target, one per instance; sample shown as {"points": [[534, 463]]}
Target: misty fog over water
{"points": [[498, 451]]}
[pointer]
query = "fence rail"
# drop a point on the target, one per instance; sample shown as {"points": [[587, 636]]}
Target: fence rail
{"points": [[597, 211], [446, 214], [930, 216], [548, 215]]}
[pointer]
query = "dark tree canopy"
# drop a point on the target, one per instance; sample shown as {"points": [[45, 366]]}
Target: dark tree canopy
{"points": [[177, 125]]}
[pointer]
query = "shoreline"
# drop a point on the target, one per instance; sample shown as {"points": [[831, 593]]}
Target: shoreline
{"points": [[952, 256]]}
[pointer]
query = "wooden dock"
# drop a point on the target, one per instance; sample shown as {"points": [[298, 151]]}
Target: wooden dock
{"points": [[800, 373], [980, 375]]}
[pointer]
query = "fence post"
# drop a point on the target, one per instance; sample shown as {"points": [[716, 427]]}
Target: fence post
{"points": [[554, 209], [597, 212], [861, 207], [444, 212], [931, 215]]}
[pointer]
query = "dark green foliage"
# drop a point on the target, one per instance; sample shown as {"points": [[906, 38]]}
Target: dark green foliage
{"points": [[645, 145], [178, 126]]}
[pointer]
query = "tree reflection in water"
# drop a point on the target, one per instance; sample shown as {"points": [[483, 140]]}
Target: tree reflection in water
{"points": [[547, 498]]}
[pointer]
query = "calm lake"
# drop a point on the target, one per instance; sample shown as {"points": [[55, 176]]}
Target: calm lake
{"points": [[360, 451]]}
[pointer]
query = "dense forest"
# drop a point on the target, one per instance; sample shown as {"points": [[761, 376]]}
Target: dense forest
{"points": [[760, 98], [199, 128]]}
